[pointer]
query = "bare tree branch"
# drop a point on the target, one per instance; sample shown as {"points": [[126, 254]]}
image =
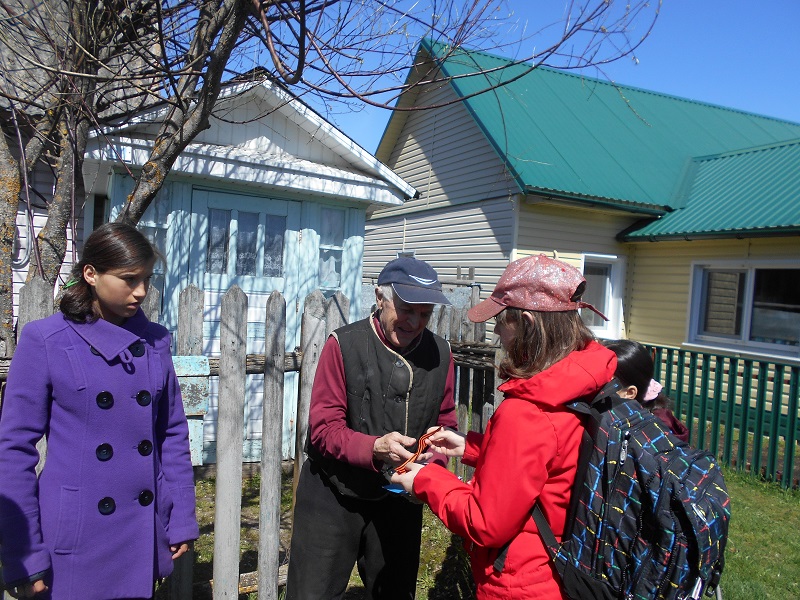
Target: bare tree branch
{"points": [[75, 67]]}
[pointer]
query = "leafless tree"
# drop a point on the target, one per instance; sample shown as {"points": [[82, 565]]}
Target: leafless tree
{"points": [[72, 67]]}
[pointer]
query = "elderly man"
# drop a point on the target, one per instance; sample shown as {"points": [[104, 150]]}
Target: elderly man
{"points": [[380, 384]]}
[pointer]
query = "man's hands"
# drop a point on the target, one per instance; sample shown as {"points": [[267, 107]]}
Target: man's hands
{"points": [[390, 448], [442, 440]]}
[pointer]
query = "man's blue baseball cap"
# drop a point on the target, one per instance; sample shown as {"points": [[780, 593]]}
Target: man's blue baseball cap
{"points": [[413, 280]]}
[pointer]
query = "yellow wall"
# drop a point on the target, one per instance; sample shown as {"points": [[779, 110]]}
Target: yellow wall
{"points": [[659, 278]]}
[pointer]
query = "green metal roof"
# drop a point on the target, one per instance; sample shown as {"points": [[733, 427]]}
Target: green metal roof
{"points": [[578, 137], [754, 192]]}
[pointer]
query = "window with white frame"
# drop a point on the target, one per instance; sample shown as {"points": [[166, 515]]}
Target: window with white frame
{"points": [[331, 247], [604, 277], [755, 306]]}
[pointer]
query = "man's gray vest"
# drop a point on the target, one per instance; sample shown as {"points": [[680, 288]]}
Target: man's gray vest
{"points": [[386, 392]]}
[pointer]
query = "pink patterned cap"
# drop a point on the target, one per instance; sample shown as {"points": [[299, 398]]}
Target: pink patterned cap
{"points": [[534, 283]]}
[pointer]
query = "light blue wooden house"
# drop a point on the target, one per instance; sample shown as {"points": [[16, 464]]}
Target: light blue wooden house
{"points": [[270, 197]]}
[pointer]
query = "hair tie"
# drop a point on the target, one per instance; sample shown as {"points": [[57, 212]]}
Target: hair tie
{"points": [[653, 390], [70, 283]]}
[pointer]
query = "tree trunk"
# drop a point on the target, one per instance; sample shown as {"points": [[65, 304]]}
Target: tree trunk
{"points": [[9, 202], [69, 193], [190, 117]]}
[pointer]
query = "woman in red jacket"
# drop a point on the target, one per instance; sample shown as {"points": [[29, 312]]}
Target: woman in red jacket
{"points": [[529, 450]]}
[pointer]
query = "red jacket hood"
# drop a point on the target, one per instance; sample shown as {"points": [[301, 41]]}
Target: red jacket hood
{"points": [[580, 374]]}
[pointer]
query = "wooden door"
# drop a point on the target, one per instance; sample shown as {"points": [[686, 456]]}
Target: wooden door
{"points": [[252, 242]]}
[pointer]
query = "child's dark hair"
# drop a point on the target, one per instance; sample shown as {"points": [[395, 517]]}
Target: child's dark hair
{"points": [[634, 365], [110, 246]]}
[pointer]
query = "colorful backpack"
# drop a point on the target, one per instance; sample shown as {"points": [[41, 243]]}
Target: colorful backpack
{"points": [[648, 514]]}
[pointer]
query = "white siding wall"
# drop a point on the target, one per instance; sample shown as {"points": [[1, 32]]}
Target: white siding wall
{"points": [[570, 231], [470, 235], [267, 131], [446, 158], [43, 183]]}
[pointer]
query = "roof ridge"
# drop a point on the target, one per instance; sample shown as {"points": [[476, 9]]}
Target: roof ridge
{"points": [[748, 150]]}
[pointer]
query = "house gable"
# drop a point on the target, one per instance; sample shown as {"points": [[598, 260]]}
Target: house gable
{"points": [[444, 155]]}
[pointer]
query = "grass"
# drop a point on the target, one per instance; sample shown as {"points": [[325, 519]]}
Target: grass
{"points": [[762, 558], [762, 555]]}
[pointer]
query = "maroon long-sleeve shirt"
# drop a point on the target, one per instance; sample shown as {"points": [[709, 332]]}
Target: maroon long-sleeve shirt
{"points": [[328, 428]]}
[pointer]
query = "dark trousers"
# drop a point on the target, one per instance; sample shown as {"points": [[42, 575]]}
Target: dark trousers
{"points": [[331, 533]]}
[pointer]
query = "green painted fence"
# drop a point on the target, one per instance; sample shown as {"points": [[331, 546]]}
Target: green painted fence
{"points": [[743, 410]]}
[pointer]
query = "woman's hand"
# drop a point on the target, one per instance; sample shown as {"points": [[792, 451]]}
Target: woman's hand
{"points": [[179, 549], [27, 590], [448, 442], [406, 478]]}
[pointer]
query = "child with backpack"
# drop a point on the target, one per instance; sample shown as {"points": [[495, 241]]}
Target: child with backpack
{"points": [[529, 451], [635, 371]]}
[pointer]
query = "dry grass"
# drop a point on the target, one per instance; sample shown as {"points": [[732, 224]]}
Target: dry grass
{"points": [[444, 568]]}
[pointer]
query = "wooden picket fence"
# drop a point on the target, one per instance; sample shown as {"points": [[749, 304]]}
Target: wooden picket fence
{"points": [[774, 408], [475, 403]]}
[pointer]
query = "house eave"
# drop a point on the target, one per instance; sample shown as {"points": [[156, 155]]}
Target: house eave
{"points": [[738, 234], [538, 195], [276, 172], [297, 112]]}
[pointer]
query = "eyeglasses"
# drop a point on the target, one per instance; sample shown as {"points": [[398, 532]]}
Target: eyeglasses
{"points": [[420, 447]]}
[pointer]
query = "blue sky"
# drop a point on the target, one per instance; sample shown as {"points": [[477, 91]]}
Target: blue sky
{"points": [[743, 54]]}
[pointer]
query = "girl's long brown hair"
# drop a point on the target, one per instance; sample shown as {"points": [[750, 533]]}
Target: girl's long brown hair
{"points": [[539, 344], [110, 246]]}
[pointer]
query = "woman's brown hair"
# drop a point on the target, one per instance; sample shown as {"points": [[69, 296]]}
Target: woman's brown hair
{"points": [[541, 341], [110, 246]]}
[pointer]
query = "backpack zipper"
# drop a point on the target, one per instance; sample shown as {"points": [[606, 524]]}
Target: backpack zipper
{"points": [[602, 548], [623, 452]]}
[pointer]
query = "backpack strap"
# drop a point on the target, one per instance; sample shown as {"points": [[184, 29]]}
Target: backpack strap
{"points": [[591, 413], [547, 534]]}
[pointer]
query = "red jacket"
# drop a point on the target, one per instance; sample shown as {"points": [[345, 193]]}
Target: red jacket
{"points": [[528, 453]]}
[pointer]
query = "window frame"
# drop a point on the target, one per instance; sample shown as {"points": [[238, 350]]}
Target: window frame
{"points": [[329, 290], [698, 300], [612, 329]]}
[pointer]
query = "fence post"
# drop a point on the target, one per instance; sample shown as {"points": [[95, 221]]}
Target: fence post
{"points": [[269, 521], [312, 338], [190, 321], [230, 429], [189, 343], [337, 307], [35, 302], [151, 306]]}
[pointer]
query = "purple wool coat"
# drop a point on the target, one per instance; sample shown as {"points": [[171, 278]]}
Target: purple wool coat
{"points": [[117, 487]]}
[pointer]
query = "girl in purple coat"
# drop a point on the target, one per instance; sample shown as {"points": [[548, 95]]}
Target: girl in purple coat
{"points": [[115, 503]]}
